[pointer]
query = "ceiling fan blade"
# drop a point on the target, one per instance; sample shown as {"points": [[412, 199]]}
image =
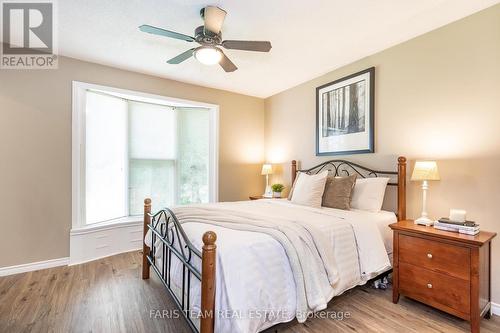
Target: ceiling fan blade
{"points": [[181, 57], [214, 17], [227, 64], [167, 33], [247, 45]]}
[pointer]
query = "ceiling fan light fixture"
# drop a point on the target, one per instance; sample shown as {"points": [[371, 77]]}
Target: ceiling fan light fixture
{"points": [[208, 55], [209, 36]]}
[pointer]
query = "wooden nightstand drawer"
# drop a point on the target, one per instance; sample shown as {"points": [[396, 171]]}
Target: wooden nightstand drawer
{"points": [[434, 255], [439, 290]]}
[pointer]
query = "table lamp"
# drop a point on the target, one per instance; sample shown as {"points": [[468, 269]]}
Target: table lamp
{"points": [[267, 169], [425, 171]]}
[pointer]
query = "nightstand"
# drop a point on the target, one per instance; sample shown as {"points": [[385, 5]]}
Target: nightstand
{"points": [[446, 270]]}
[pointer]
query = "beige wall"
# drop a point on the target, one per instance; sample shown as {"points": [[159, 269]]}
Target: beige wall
{"points": [[437, 97], [35, 150]]}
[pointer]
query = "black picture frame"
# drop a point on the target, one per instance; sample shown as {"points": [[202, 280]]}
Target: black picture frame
{"points": [[371, 135]]}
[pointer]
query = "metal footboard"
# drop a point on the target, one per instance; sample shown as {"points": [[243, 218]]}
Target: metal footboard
{"points": [[174, 243]]}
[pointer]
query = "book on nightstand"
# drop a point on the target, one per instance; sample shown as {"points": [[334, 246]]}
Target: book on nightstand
{"points": [[468, 227], [462, 223]]}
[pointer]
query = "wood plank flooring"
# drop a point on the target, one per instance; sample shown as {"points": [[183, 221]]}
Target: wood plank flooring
{"points": [[108, 295]]}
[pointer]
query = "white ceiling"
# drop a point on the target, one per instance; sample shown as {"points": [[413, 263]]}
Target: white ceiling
{"points": [[309, 38]]}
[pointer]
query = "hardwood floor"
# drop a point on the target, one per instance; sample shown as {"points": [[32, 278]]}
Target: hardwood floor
{"points": [[108, 295]]}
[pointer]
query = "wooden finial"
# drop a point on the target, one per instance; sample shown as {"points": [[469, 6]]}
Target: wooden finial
{"points": [[401, 159], [209, 238], [147, 202]]}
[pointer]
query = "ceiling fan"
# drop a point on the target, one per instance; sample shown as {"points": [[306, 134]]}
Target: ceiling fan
{"points": [[210, 38]]}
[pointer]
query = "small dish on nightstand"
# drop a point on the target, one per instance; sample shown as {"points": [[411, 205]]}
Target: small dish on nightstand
{"points": [[258, 197]]}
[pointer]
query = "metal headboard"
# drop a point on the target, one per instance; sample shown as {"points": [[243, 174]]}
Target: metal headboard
{"points": [[347, 168], [338, 168]]}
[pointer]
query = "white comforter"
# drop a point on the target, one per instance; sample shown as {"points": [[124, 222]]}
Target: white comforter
{"points": [[256, 283]]}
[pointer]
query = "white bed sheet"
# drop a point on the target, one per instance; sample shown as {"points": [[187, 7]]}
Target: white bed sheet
{"points": [[255, 287], [382, 219]]}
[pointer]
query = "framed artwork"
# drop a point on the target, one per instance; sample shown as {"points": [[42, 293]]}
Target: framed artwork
{"points": [[345, 115]]}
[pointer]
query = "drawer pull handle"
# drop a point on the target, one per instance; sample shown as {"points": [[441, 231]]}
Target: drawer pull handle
{"points": [[429, 255], [429, 285]]}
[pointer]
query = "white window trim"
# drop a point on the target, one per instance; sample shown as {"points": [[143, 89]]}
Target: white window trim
{"points": [[78, 149]]}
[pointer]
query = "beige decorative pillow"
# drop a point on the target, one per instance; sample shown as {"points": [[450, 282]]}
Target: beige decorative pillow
{"points": [[338, 192], [308, 189]]}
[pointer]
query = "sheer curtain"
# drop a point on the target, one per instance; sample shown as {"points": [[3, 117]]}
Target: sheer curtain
{"points": [[105, 157], [193, 158], [153, 155]]}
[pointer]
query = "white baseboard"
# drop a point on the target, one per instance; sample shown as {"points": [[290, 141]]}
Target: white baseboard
{"points": [[495, 308], [33, 266]]}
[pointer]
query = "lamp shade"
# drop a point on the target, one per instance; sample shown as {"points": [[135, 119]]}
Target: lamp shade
{"points": [[267, 169], [425, 170]]}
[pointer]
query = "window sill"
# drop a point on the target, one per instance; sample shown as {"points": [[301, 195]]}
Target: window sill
{"points": [[106, 225]]}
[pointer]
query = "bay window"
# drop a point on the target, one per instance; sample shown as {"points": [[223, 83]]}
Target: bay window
{"points": [[132, 147]]}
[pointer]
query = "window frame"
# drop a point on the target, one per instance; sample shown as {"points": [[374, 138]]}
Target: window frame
{"points": [[79, 90]]}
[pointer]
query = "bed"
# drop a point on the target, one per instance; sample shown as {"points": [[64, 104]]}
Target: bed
{"points": [[275, 261]]}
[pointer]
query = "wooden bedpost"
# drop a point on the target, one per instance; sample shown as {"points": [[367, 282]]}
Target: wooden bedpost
{"points": [[145, 248], [401, 188], [294, 171], [208, 282]]}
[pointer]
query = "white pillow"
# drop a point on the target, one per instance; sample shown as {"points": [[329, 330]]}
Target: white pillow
{"points": [[308, 189], [368, 193]]}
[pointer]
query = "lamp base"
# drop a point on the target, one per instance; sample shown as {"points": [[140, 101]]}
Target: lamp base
{"points": [[268, 193], [424, 220]]}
